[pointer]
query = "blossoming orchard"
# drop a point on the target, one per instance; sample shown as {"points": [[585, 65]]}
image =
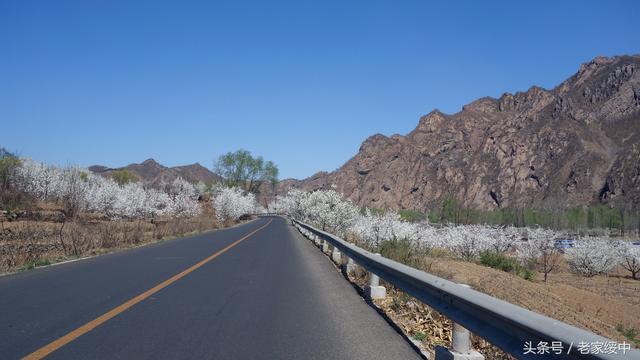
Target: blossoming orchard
{"points": [[81, 190], [533, 247]]}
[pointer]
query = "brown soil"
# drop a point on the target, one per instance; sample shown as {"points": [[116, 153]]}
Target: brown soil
{"points": [[598, 304], [41, 237]]}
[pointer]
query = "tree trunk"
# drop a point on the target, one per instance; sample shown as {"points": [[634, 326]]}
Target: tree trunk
{"points": [[64, 247]]}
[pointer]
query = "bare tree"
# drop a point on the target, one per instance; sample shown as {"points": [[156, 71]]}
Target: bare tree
{"points": [[631, 260], [540, 250]]}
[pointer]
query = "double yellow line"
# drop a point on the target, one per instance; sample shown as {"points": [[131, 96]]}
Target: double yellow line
{"points": [[64, 340]]}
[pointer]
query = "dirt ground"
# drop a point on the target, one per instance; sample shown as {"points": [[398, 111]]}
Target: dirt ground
{"points": [[599, 304], [41, 237]]}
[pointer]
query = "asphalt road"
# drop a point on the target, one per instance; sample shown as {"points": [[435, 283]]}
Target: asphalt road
{"points": [[271, 295]]}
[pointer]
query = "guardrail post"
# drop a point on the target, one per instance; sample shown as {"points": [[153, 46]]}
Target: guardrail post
{"points": [[325, 246], [373, 290], [348, 265], [336, 256], [461, 348]]}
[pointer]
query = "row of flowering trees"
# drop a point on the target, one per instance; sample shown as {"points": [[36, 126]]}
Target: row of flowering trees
{"points": [[532, 246], [81, 190]]}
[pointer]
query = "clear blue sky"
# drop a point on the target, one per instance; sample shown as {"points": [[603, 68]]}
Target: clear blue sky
{"points": [[302, 83]]}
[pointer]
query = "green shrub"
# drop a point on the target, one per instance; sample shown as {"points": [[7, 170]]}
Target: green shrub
{"points": [[9, 164], [419, 335], [32, 264], [433, 217], [505, 263], [123, 177], [11, 198], [526, 274], [630, 333], [497, 261], [412, 215], [372, 210]]}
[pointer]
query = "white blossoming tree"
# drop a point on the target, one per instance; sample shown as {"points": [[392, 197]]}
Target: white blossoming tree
{"points": [[329, 211], [593, 256], [231, 203], [293, 203], [540, 251], [81, 190], [502, 240], [630, 256], [376, 228], [184, 198], [466, 241]]}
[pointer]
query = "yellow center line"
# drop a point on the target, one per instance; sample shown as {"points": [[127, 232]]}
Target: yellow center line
{"points": [[64, 340]]}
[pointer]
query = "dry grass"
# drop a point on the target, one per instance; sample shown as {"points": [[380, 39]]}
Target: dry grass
{"points": [[599, 309], [42, 238]]}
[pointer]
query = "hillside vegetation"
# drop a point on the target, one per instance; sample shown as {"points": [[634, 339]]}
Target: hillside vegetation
{"points": [[54, 213]]}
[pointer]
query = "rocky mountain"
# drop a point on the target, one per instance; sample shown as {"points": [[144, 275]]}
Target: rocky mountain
{"points": [[576, 144], [152, 173], [197, 173]]}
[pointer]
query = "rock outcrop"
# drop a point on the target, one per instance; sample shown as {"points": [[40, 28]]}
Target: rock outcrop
{"points": [[151, 173], [577, 144]]}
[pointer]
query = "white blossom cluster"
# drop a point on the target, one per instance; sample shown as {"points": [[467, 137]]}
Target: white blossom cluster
{"points": [[595, 256], [291, 204], [90, 192], [231, 203], [538, 243], [631, 259], [590, 256], [464, 241], [374, 229], [325, 208], [329, 211]]}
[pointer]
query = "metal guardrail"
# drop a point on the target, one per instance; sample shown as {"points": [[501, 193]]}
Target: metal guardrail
{"points": [[503, 324], [268, 214]]}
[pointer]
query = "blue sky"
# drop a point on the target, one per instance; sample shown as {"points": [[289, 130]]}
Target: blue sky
{"points": [[302, 83]]}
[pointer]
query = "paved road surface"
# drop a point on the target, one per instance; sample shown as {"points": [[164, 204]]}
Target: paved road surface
{"points": [[269, 296]]}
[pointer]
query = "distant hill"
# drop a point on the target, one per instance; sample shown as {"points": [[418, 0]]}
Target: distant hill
{"points": [[197, 173], [154, 174], [577, 144]]}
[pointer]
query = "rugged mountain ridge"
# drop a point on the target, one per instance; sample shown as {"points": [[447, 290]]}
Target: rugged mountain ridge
{"points": [[576, 144], [152, 173]]}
